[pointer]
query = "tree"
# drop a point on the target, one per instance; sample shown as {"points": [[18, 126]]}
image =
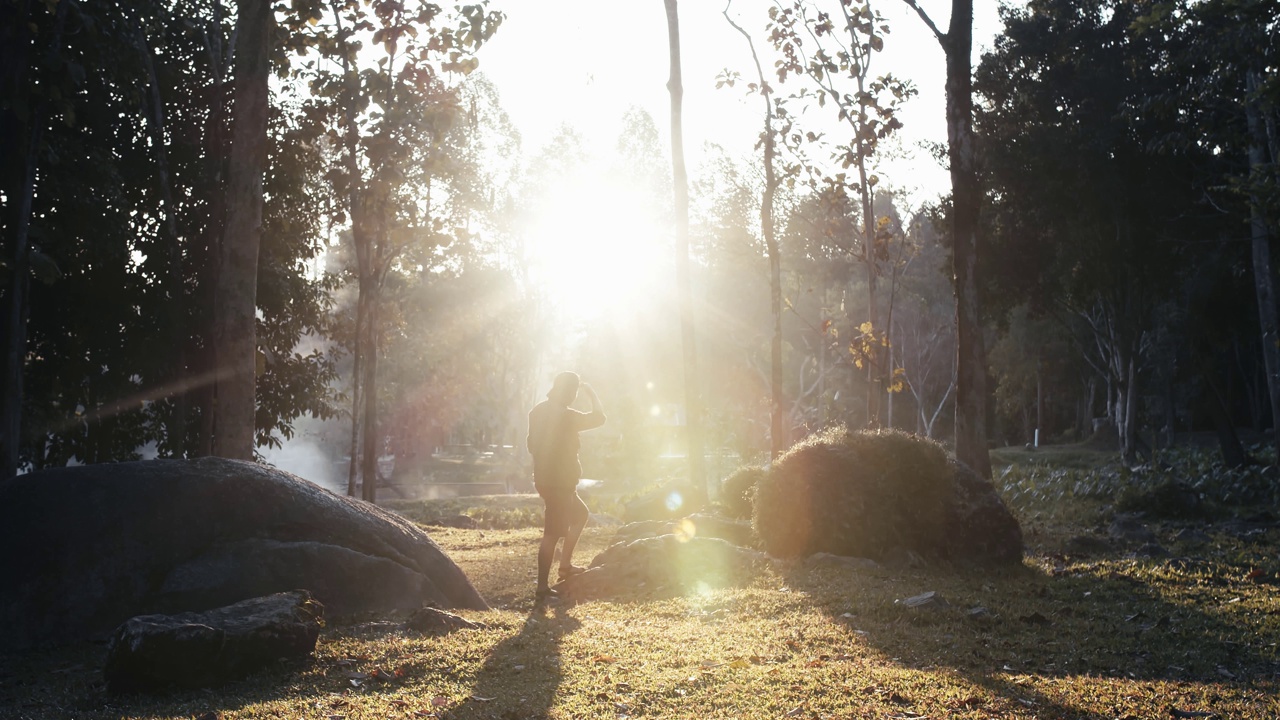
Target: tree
{"points": [[839, 69], [235, 292], [777, 433], [680, 184], [386, 119], [966, 199]]}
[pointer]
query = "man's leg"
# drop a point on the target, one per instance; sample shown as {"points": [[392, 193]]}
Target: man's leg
{"points": [[553, 528], [578, 514]]}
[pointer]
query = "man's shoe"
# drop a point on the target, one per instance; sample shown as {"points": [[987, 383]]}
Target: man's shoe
{"points": [[546, 594], [568, 572]]}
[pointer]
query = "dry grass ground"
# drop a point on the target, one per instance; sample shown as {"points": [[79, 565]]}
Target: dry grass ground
{"points": [[1060, 638]]}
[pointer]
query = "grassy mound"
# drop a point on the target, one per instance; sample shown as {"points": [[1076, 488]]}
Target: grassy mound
{"points": [[737, 492], [865, 494]]}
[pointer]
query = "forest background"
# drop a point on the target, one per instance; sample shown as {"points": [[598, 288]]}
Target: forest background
{"points": [[429, 260]]}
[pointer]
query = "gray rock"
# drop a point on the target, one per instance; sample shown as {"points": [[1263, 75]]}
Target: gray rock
{"points": [[104, 543], [697, 525], [1089, 545], [1151, 550], [462, 522], [843, 563], [931, 600], [1192, 536], [664, 565], [602, 520], [192, 650], [434, 621], [1129, 528]]}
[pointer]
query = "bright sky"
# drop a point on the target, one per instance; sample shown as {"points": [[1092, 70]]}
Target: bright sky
{"points": [[588, 61], [585, 64]]}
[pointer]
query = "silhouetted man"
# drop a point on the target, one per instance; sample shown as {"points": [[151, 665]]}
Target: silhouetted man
{"points": [[553, 441]]}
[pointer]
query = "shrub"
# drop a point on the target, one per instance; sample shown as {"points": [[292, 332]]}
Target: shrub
{"points": [[738, 491], [855, 493]]}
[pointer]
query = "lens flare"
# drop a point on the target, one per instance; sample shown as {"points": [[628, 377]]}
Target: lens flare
{"points": [[686, 530], [674, 501]]}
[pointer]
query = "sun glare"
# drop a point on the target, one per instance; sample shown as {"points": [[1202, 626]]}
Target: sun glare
{"points": [[595, 248]]}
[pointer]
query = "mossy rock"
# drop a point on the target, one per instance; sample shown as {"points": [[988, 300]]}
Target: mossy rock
{"points": [[876, 494]]}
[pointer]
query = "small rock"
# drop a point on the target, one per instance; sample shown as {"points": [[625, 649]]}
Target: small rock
{"points": [[1151, 550], [925, 601], [841, 562], [434, 621], [1192, 536], [193, 650], [1129, 528], [1088, 545], [463, 522]]}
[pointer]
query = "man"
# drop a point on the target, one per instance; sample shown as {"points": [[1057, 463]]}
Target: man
{"points": [[553, 442]]}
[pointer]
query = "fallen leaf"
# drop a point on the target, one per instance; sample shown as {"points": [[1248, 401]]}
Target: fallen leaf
{"points": [[815, 663], [439, 701], [1254, 574], [739, 663], [604, 659], [400, 703], [1189, 713]]}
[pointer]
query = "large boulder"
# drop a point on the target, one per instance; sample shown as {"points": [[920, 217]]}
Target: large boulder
{"points": [[880, 495], [192, 650], [92, 546]]}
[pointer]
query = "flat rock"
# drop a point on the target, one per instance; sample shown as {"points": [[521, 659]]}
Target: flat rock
{"points": [[664, 565], [842, 563], [702, 525], [1129, 528], [104, 543], [193, 650], [434, 621]]}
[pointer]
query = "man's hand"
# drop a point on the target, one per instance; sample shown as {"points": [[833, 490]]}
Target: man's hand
{"points": [[591, 395]]}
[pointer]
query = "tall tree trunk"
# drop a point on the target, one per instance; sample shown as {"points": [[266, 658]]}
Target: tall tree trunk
{"points": [[235, 295], [203, 355], [353, 466], [19, 163], [778, 439], [971, 359], [971, 353], [176, 386], [372, 446], [680, 183], [1263, 279]]}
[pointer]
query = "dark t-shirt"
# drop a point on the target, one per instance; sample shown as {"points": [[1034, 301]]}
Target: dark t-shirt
{"points": [[553, 441]]}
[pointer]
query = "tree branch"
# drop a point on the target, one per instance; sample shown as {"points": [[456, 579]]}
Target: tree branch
{"points": [[942, 37]]}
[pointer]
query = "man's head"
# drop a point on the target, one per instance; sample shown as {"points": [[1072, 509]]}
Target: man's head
{"points": [[565, 388]]}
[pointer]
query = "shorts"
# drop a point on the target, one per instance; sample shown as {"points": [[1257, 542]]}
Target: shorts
{"points": [[560, 506]]}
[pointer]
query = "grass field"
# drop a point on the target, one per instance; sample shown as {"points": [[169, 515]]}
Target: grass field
{"points": [[1060, 637]]}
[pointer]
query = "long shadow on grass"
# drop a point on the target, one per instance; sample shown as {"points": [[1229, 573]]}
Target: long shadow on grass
{"points": [[522, 674], [1150, 620]]}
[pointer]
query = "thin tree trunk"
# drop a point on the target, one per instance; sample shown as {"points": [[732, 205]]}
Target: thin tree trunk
{"points": [[778, 439], [16, 306], [369, 456], [1263, 280], [235, 295], [175, 301], [680, 183], [203, 353], [357, 380]]}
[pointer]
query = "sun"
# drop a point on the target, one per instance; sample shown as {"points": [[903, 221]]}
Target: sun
{"points": [[595, 247]]}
